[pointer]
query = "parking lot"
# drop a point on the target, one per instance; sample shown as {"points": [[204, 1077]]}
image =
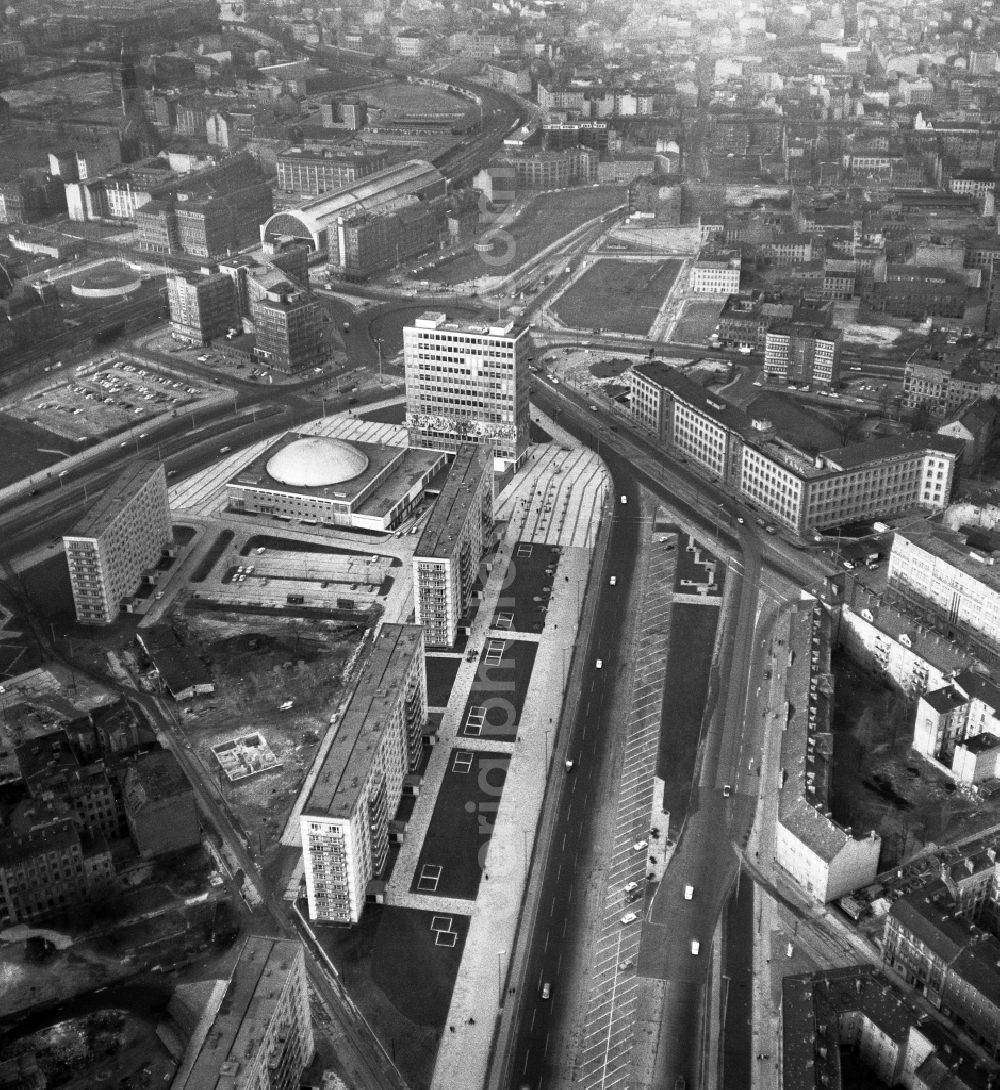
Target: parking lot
{"points": [[606, 1046], [104, 396]]}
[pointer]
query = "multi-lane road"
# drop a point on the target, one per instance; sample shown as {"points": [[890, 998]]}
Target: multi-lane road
{"points": [[719, 819]]}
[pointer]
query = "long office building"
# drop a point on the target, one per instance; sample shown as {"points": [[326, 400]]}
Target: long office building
{"points": [[119, 538], [345, 820], [255, 1031], [312, 171], [468, 382], [800, 490], [446, 559]]}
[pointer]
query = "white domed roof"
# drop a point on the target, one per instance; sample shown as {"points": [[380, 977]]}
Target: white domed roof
{"points": [[317, 461]]}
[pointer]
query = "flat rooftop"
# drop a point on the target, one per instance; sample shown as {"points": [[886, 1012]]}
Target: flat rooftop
{"points": [[451, 509], [438, 320], [236, 1032], [116, 496], [953, 549], [376, 694]]}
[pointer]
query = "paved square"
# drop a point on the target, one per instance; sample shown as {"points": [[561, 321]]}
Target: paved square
{"points": [[454, 850], [496, 697], [527, 582]]}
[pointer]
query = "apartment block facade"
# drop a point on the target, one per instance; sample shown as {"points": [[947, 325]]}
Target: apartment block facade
{"points": [[288, 327], [716, 272], [47, 865], [800, 353], [202, 307], [345, 820], [120, 537], [468, 382], [940, 570], [451, 544]]}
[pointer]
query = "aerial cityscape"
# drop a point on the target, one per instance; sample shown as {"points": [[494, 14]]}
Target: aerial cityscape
{"points": [[498, 516]]}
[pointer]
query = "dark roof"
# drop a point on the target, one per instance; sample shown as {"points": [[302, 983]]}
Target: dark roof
{"points": [[451, 509], [155, 776], [929, 914], [686, 389], [860, 454]]}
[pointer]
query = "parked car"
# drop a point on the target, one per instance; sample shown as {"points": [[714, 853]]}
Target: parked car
{"points": [[629, 917]]}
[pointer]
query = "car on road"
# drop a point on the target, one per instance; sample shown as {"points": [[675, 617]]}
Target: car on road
{"points": [[688, 893], [740, 519], [613, 580], [770, 528], [629, 917], [640, 845], [599, 664], [695, 947], [593, 408], [547, 990], [203, 359], [225, 450], [624, 499], [570, 765], [727, 790]]}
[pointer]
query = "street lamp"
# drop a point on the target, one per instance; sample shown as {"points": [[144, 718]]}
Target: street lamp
{"points": [[500, 954], [378, 345]]}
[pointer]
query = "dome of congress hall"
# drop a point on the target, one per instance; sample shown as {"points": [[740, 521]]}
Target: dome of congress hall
{"points": [[317, 461]]}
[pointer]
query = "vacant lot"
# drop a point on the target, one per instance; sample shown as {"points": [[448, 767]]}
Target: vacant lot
{"points": [[28, 449], [453, 855], [623, 296], [879, 783], [256, 670], [541, 223], [697, 322]]}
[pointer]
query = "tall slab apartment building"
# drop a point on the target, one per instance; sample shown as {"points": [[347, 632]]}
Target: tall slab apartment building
{"points": [[446, 559], [345, 821], [468, 382], [118, 539]]}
